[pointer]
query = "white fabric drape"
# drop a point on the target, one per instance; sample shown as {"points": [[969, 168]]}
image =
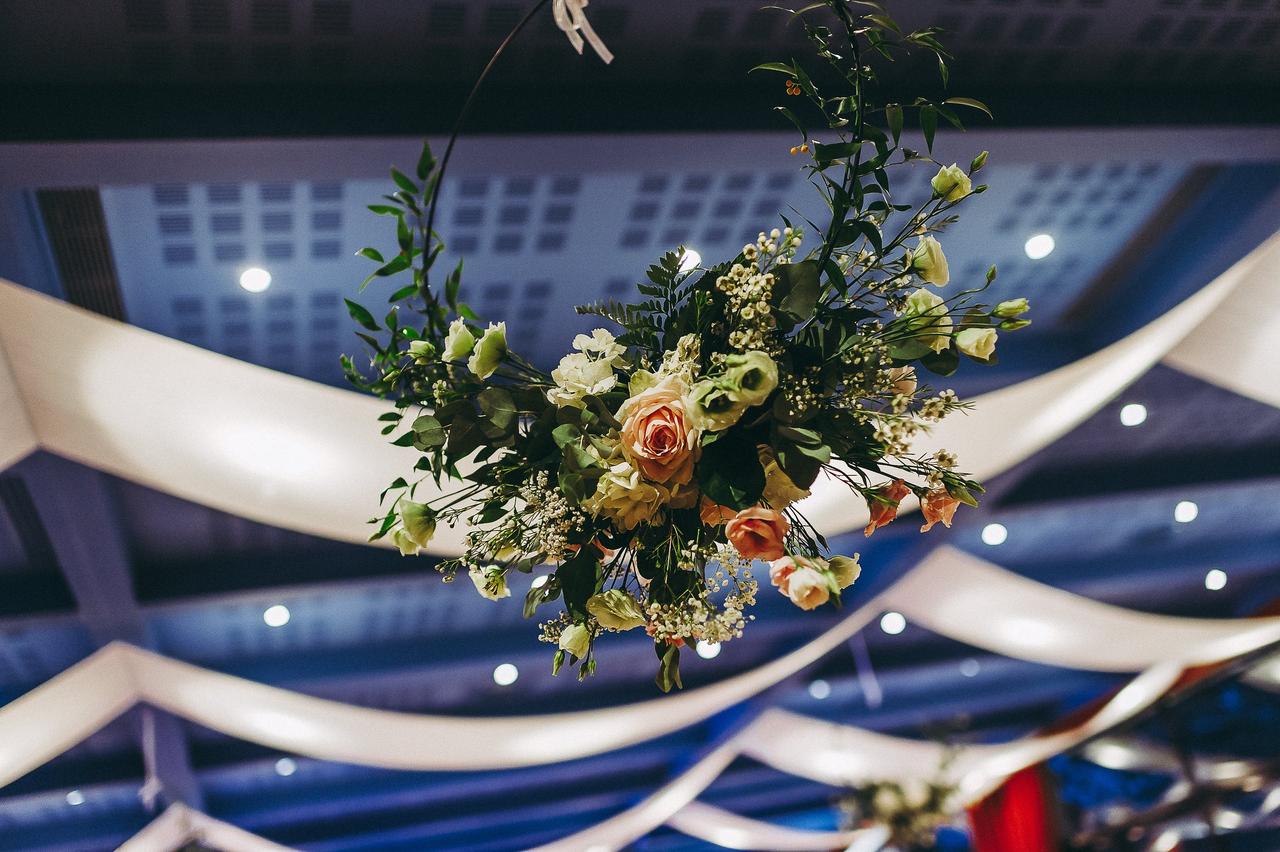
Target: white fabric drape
{"points": [[47, 721], [180, 824], [71, 706], [1009, 425], [292, 453]]}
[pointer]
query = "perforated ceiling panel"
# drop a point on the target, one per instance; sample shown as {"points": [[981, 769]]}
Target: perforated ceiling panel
{"points": [[536, 246]]}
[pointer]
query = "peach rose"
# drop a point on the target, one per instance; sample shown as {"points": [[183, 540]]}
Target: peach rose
{"points": [[758, 533], [801, 580], [884, 511], [657, 434], [936, 506], [713, 514]]}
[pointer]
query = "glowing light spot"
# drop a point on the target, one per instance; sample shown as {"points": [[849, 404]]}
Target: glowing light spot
{"points": [[1215, 580], [1039, 246], [819, 689], [1133, 414], [286, 766], [75, 797], [255, 279], [276, 615], [1185, 512], [994, 534], [893, 623], [970, 668], [505, 674], [540, 580]]}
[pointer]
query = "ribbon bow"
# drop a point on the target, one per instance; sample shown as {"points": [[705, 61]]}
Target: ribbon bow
{"points": [[571, 17]]}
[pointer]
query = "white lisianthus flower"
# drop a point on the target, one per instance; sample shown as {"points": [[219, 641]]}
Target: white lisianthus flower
{"points": [[600, 345], [933, 323], [845, 569], [978, 343], [576, 640], [624, 496], [1011, 308], [404, 543], [578, 376], [490, 582], [951, 183], [779, 490], [418, 520], [458, 343], [421, 351], [928, 261], [616, 609], [752, 376], [490, 351]]}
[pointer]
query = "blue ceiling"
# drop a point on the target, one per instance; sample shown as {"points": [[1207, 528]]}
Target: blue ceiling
{"points": [[1141, 219]]}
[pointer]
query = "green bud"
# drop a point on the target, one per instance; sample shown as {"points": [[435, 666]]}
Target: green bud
{"points": [[1011, 308]]}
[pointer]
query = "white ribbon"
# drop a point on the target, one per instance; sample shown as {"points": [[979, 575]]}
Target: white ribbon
{"points": [[571, 18]]}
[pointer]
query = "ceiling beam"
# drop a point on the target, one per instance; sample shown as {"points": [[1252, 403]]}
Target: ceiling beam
{"points": [[78, 511]]}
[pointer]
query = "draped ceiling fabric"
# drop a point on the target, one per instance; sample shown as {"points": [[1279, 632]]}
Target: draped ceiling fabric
{"points": [[55, 716], [291, 453], [180, 825]]}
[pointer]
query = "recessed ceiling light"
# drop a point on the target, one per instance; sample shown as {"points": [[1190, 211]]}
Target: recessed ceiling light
{"points": [[893, 623], [255, 279], [75, 797], [1185, 512], [970, 667], [1133, 414], [505, 674], [286, 766], [1215, 580], [819, 689], [276, 615], [689, 260], [1039, 246], [708, 650], [994, 534]]}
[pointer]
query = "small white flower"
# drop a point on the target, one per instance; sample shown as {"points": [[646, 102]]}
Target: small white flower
{"points": [[490, 582]]}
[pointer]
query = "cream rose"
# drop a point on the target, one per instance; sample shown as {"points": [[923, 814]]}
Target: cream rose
{"points": [[624, 497], [977, 342], [657, 434], [934, 321], [758, 533], [928, 261], [951, 183]]}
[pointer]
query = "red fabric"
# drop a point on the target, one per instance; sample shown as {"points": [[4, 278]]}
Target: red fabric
{"points": [[1018, 817]]}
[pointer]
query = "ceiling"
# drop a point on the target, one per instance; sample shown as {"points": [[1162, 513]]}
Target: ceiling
{"points": [[112, 112]]}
